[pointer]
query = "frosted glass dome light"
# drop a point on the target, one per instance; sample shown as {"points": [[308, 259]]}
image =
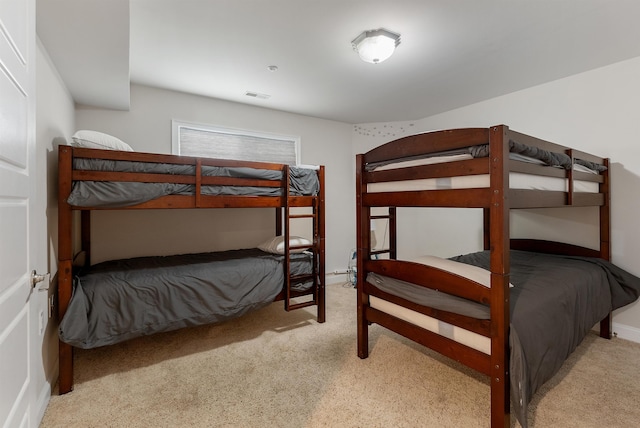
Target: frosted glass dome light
{"points": [[375, 46]]}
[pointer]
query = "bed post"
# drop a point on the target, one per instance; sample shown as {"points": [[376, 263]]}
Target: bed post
{"points": [[499, 300], [278, 221], [393, 233], [486, 228], [65, 259], [85, 235], [320, 219], [286, 186], [362, 246], [605, 237]]}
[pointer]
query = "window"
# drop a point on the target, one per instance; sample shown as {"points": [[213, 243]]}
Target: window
{"points": [[190, 139]]}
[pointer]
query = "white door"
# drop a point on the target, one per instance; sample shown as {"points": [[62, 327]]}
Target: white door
{"points": [[17, 160]]}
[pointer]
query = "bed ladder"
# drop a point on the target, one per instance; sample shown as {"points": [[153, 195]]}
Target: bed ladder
{"points": [[315, 276], [391, 249], [291, 280]]}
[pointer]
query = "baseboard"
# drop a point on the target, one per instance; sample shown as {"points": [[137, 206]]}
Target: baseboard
{"points": [[340, 278], [626, 332], [45, 393], [43, 402]]}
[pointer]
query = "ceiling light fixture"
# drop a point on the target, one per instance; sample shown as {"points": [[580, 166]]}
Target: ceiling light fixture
{"points": [[375, 46]]}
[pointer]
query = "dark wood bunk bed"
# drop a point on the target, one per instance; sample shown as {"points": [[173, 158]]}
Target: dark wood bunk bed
{"points": [[381, 275], [187, 183]]}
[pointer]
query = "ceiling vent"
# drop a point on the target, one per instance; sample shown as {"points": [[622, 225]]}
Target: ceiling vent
{"points": [[257, 95]]}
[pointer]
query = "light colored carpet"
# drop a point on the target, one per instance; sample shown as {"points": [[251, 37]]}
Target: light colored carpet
{"points": [[278, 369]]}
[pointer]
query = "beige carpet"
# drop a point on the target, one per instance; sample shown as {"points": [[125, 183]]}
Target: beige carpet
{"points": [[278, 369]]}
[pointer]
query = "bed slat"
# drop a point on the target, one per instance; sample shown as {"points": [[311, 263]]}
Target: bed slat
{"points": [[454, 350], [432, 142], [430, 277], [473, 198], [439, 170], [479, 326]]}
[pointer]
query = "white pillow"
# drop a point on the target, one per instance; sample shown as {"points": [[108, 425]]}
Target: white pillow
{"points": [[474, 273], [98, 140], [276, 245]]}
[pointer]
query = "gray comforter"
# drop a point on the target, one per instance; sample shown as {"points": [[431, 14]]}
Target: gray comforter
{"points": [[123, 299], [303, 181], [547, 157], [555, 302]]}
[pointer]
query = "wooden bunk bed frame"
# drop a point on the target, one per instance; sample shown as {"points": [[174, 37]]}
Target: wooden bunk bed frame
{"points": [[496, 201], [285, 206]]}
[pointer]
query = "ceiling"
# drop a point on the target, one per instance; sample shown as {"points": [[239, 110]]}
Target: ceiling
{"points": [[452, 53]]}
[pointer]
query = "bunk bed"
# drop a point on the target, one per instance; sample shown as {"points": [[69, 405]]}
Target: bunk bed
{"points": [[117, 300], [503, 311]]}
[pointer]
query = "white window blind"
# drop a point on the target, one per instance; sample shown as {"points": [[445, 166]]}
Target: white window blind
{"points": [[224, 143]]}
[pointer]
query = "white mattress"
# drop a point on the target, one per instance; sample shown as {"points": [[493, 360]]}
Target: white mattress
{"points": [[516, 180], [458, 334]]}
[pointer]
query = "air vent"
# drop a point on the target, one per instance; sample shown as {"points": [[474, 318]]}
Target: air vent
{"points": [[257, 95]]}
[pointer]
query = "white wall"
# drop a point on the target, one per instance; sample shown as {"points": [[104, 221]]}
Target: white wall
{"points": [[54, 126], [596, 112], [147, 127]]}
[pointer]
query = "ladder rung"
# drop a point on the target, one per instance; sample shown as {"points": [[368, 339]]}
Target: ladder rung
{"points": [[294, 306], [294, 294], [380, 251]]}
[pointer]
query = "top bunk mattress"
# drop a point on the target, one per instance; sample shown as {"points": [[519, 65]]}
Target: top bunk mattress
{"points": [[517, 180], [112, 194]]}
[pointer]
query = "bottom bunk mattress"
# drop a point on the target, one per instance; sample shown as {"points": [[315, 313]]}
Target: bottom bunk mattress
{"points": [[554, 302], [122, 299]]}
